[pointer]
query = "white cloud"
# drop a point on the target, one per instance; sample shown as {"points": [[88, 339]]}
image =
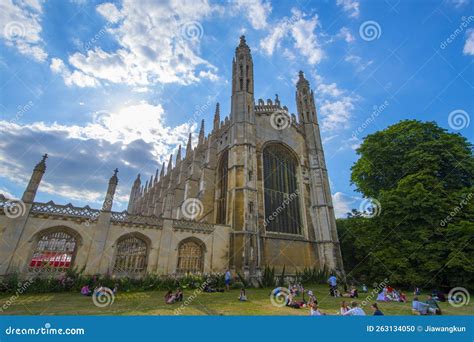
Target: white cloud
{"points": [[256, 11], [469, 44], [157, 42], [336, 114], [343, 204], [82, 157], [329, 89], [20, 27], [345, 34], [459, 3], [357, 62], [77, 78], [351, 7], [301, 29]]}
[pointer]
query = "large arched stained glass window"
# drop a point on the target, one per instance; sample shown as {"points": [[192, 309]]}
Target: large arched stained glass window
{"points": [[190, 257], [131, 256], [54, 252], [222, 189], [282, 212]]}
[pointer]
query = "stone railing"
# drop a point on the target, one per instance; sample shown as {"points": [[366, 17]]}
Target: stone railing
{"points": [[125, 218], [193, 226], [64, 211]]}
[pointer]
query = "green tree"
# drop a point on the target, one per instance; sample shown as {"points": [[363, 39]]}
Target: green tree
{"points": [[423, 178]]}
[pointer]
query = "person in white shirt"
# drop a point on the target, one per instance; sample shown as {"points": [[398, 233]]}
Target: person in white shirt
{"points": [[314, 310], [355, 310]]}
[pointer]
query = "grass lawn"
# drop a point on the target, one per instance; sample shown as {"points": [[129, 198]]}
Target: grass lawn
{"points": [[152, 303]]}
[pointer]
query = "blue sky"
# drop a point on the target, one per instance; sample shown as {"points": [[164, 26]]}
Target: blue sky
{"points": [[99, 85]]}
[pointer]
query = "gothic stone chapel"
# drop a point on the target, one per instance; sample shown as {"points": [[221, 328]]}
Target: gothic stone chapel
{"points": [[253, 192]]}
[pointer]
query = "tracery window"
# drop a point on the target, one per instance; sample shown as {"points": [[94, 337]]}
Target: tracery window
{"points": [[282, 210], [222, 189], [131, 256], [54, 252], [190, 257]]}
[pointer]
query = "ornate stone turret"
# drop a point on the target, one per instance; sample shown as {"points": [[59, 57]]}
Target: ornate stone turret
{"points": [[322, 215], [242, 84], [134, 194], [170, 164], [35, 180], [109, 197]]}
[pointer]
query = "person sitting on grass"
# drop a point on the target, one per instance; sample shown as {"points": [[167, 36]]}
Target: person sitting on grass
{"points": [[433, 307], [314, 310], [312, 298], [355, 310], [169, 297], [243, 296], [403, 297], [99, 290], [292, 303], [86, 291], [418, 307], [353, 293], [344, 307], [178, 295], [377, 311]]}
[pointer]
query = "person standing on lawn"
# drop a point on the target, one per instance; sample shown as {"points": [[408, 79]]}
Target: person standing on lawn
{"points": [[227, 278]]}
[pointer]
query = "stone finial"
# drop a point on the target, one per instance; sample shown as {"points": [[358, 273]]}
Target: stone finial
{"points": [[201, 132], [242, 40], [114, 178], [156, 175], [217, 117], [277, 100], [189, 146], [41, 166]]}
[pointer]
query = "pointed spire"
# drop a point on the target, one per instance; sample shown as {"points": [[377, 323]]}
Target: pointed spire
{"points": [[201, 132], [217, 117], [151, 181], [302, 80], [145, 189], [162, 173], [114, 178], [170, 164], [189, 146], [137, 180], [41, 166], [156, 175], [178, 155]]}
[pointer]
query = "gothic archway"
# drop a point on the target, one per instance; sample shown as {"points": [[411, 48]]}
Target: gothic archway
{"points": [[131, 255], [191, 256]]}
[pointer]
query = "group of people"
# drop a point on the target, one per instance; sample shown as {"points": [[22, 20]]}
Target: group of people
{"points": [[99, 290], [171, 297], [428, 307], [389, 294]]}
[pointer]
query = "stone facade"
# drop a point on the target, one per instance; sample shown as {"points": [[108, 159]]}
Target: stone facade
{"points": [[210, 209]]}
